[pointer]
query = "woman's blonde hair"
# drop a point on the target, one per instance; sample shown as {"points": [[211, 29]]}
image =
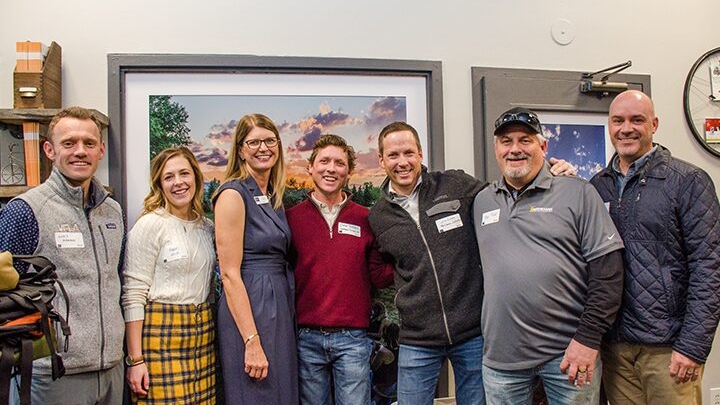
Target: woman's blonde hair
{"points": [[156, 198], [237, 168]]}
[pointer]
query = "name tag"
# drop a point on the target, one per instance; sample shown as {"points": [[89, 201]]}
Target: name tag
{"points": [[69, 240], [262, 199], [348, 229], [449, 223], [172, 253], [490, 217]]}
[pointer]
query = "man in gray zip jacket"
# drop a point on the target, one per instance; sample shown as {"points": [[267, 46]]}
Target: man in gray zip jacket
{"points": [[71, 220], [423, 221]]}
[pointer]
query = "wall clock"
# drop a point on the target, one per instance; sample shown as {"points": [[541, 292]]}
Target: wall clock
{"points": [[701, 99]]}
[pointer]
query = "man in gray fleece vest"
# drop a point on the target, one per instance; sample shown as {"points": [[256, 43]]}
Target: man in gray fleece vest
{"points": [[71, 220]]}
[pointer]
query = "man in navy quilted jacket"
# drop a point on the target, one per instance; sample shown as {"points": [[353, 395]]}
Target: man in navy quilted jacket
{"points": [[667, 213]]}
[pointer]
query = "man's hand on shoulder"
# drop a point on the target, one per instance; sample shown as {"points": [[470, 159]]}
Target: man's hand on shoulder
{"points": [[561, 167]]}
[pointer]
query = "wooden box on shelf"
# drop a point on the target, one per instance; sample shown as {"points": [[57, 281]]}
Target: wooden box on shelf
{"points": [[47, 83]]}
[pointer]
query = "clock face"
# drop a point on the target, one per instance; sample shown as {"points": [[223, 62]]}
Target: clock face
{"points": [[702, 101]]}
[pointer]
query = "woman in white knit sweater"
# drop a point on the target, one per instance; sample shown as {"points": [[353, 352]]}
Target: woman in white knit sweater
{"points": [[168, 274]]}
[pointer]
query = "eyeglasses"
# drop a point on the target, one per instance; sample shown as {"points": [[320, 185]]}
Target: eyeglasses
{"points": [[255, 143], [528, 118]]}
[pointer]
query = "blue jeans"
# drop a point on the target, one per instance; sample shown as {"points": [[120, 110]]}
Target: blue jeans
{"points": [[340, 360], [516, 387], [419, 370]]}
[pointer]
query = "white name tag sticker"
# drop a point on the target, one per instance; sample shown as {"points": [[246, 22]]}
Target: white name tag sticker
{"points": [[69, 240], [490, 217], [449, 223], [262, 199], [348, 229], [172, 253]]}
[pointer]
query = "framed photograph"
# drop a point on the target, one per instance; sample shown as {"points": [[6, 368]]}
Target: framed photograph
{"points": [[12, 156], [197, 99], [574, 122], [581, 139]]}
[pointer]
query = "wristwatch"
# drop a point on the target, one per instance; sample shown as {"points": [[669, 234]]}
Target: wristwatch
{"points": [[133, 361]]}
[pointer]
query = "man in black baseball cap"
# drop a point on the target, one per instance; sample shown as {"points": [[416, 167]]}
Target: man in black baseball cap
{"points": [[549, 237], [518, 115], [520, 147]]}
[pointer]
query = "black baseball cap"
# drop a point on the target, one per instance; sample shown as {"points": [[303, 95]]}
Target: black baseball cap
{"points": [[518, 115]]}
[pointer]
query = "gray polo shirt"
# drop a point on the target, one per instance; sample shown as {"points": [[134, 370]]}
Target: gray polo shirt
{"points": [[534, 254]]}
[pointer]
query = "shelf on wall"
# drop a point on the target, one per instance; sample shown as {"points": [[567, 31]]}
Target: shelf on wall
{"points": [[17, 116], [12, 191]]}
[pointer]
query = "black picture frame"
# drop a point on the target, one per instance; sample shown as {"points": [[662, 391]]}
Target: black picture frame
{"points": [[495, 90]]}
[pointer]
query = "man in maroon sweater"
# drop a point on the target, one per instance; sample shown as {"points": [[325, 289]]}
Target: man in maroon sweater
{"points": [[336, 264]]}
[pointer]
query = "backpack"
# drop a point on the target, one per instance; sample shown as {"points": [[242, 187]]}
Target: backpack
{"points": [[384, 356], [27, 319]]}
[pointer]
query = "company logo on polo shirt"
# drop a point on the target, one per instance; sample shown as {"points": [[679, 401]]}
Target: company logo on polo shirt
{"points": [[540, 209], [111, 225]]}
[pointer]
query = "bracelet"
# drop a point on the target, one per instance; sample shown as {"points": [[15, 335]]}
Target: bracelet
{"points": [[138, 363], [133, 361], [251, 337]]}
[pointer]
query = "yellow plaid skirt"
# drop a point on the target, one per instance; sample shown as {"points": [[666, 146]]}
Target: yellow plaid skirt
{"points": [[178, 344]]}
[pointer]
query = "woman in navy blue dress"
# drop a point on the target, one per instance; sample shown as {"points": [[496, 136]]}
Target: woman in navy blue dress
{"points": [[256, 327]]}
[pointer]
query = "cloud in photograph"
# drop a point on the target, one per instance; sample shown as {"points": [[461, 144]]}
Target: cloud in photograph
{"points": [[386, 110], [213, 157], [325, 121], [221, 134]]}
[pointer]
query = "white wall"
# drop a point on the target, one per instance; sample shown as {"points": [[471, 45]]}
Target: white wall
{"points": [[662, 38]]}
